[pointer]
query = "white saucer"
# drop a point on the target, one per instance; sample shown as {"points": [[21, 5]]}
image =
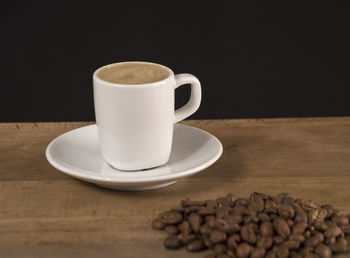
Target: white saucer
{"points": [[77, 153]]}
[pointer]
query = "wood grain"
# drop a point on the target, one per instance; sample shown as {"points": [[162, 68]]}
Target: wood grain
{"points": [[44, 213]]}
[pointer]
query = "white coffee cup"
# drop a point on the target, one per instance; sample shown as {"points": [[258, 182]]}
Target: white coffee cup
{"points": [[135, 122]]}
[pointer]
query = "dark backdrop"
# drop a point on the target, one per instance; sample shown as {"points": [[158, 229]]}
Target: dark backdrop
{"points": [[254, 58]]}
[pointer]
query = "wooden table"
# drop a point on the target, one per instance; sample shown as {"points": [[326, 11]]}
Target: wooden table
{"points": [[44, 213]]}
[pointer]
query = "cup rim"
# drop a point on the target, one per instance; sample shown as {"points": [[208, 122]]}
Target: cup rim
{"points": [[150, 84]]}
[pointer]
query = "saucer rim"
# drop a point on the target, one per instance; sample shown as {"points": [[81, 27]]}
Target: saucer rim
{"points": [[85, 175]]}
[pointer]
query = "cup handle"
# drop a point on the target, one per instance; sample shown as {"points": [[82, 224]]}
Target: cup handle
{"points": [[196, 95]]}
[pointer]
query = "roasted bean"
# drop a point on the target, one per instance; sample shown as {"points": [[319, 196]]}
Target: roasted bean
{"points": [[323, 251], [243, 250], [195, 246], [171, 229], [157, 224], [172, 242], [266, 228], [217, 236], [170, 217], [281, 227]]}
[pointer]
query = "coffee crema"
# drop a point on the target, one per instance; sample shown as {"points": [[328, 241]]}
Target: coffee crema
{"points": [[133, 73]]}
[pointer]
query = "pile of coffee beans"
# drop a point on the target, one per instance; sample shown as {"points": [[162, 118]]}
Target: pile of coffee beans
{"points": [[258, 226]]}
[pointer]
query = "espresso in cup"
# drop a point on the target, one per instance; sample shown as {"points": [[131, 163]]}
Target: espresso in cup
{"points": [[135, 116]]}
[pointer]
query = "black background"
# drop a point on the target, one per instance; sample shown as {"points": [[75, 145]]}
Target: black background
{"points": [[253, 58]]}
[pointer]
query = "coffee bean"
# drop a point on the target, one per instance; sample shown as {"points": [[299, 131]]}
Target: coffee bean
{"points": [[311, 204], [257, 203], [340, 245], [185, 227], [263, 217], [220, 248], [170, 217], [217, 236], [230, 199], [282, 252], [195, 245], [232, 242], [266, 228], [257, 252], [248, 234], [243, 250], [185, 239], [323, 251], [171, 229], [291, 244], [281, 227], [205, 211], [157, 224], [172, 242], [300, 216], [332, 231], [232, 228], [205, 230], [187, 202], [340, 220], [319, 236], [286, 211], [195, 221]]}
